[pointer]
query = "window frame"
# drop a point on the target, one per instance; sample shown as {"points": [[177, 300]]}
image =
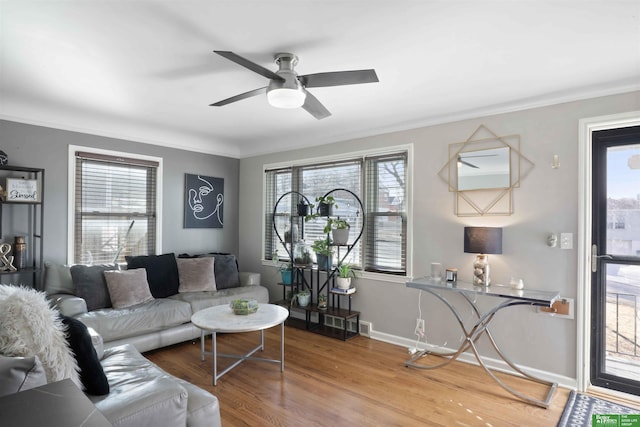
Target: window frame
{"points": [[71, 192], [408, 148]]}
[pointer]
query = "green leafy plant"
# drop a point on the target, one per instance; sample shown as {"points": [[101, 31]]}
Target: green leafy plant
{"points": [[346, 271], [339, 224], [322, 247], [321, 200]]}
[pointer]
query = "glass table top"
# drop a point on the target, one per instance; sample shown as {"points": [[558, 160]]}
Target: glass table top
{"points": [[501, 291]]}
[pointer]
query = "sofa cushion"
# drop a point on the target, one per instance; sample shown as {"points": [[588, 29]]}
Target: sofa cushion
{"points": [[156, 315], [29, 326], [128, 287], [196, 274], [162, 273], [201, 300], [57, 279], [20, 373], [90, 284], [91, 373], [141, 394]]}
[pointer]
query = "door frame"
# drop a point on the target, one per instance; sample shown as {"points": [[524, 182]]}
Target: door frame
{"points": [[586, 127]]}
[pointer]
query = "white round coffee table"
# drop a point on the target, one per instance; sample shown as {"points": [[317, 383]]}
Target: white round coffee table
{"points": [[222, 319]]}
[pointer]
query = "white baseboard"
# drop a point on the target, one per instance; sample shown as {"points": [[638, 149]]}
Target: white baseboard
{"points": [[467, 357]]}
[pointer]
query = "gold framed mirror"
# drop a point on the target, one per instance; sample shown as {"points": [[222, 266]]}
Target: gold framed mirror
{"points": [[483, 171]]}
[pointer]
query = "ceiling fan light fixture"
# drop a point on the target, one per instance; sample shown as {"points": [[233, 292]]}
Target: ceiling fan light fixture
{"points": [[286, 97]]}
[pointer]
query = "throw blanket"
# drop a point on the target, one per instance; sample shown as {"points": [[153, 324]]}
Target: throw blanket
{"points": [[30, 326]]}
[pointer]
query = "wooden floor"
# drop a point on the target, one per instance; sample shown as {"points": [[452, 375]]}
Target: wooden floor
{"points": [[361, 382]]}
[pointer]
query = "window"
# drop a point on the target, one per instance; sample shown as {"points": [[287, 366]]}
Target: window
{"points": [[114, 207], [379, 181]]}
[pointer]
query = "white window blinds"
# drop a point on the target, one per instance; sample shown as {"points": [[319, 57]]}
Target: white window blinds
{"points": [[379, 182], [115, 208]]}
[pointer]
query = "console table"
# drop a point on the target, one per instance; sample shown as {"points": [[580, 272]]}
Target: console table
{"points": [[506, 297]]}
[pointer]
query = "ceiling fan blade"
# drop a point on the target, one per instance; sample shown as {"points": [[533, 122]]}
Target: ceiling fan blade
{"points": [[339, 78], [249, 64], [314, 107], [467, 163], [245, 95]]}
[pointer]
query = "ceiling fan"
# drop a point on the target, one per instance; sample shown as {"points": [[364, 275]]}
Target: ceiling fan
{"points": [[286, 89]]}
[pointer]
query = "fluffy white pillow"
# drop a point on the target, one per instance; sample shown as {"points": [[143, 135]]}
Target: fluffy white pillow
{"points": [[31, 327], [196, 274], [128, 287]]}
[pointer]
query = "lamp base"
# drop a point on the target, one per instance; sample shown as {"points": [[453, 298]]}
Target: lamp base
{"points": [[481, 271]]}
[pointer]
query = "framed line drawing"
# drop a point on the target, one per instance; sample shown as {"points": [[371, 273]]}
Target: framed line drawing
{"points": [[203, 201]]}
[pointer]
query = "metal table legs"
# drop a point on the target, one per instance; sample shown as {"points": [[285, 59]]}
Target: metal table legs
{"points": [[241, 357], [471, 336]]}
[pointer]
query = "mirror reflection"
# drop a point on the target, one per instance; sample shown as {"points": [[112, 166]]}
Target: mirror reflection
{"points": [[484, 169]]}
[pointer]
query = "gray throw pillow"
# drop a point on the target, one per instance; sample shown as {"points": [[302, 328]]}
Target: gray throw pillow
{"points": [[226, 270], [91, 286], [128, 287], [20, 373], [196, 274]]}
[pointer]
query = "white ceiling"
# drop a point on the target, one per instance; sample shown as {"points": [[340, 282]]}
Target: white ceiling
{"points": [[145, 70]]}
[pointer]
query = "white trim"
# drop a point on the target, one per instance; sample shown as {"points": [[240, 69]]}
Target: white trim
{"points": [[468, 357], [71, 191], [352, 155], [586, 127]]}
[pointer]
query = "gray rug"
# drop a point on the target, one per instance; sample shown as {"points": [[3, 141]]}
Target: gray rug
{"points": [[580, 408]]}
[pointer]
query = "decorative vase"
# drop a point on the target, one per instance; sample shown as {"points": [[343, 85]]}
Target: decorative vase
{"points": [[481, 271], [343, 282], [19, 253], [340, 236]]}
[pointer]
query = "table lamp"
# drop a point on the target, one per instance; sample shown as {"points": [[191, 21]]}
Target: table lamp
{"points": [[482, 241]]}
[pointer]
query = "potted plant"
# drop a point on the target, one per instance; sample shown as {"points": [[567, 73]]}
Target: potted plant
{"points": [[324, 253], [302, 255], [339, 229], [303, 208], [303, 298], [345, 274], [286, 273], [325, 207], [322, 302], [285, 269]]}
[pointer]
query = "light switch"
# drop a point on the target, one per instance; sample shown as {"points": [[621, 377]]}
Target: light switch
{"points": [[566, 240]]}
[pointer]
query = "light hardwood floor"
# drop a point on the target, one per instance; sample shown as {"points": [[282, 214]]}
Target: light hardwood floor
{"points": [[360, 382]]}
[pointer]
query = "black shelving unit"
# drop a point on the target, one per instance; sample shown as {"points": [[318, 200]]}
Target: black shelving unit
{"points": [[314, 279], [23, 218]]}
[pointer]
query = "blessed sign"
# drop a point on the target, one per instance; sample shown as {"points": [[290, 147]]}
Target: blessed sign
{"points": [[22, 190]]}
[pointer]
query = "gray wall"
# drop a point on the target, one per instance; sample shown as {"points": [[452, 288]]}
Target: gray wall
{"points": [[41, 147], [546, 202]]}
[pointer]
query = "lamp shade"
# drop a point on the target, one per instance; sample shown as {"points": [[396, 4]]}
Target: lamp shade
{"points": [[483, 240]]}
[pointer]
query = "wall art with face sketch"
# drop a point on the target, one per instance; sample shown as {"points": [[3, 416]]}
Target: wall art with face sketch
{"points": [[204, 201]]}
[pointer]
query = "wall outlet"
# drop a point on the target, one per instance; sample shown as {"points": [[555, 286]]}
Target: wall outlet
{"points": [[566, 240]]}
